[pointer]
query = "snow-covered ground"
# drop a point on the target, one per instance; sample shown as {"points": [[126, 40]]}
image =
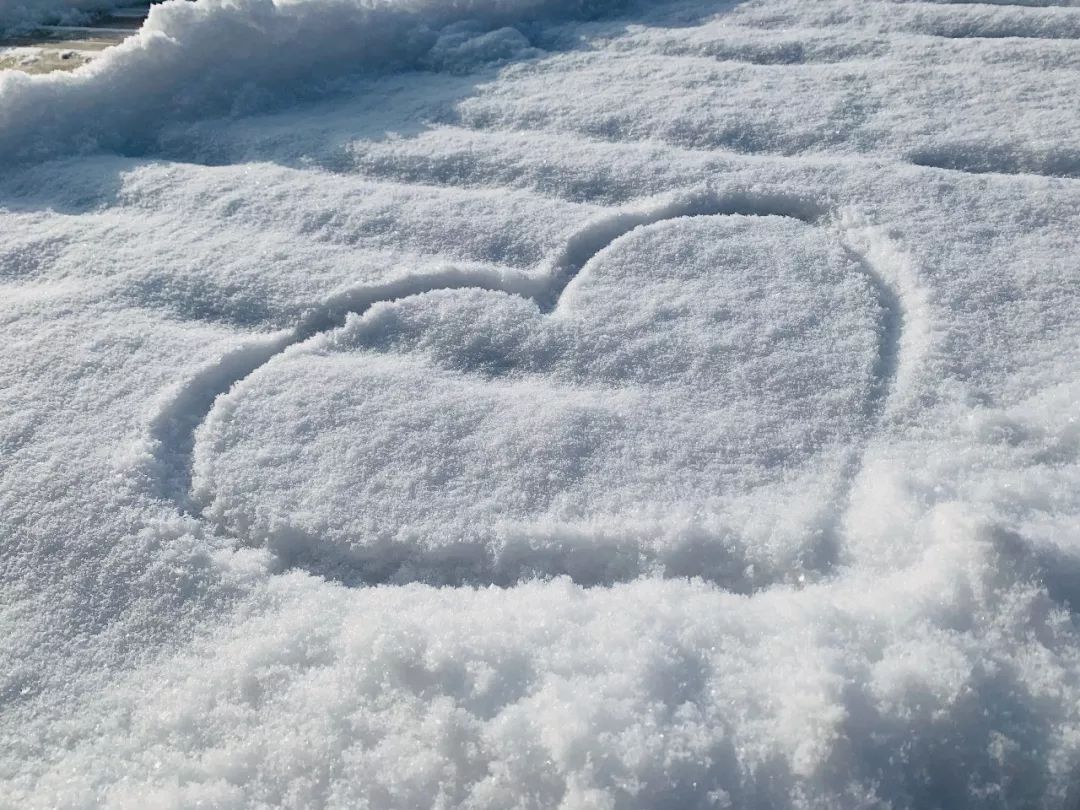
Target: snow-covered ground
{"points": [[63, 36], [510, 403]]}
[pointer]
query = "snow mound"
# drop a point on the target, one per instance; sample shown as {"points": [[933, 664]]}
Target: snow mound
{"points": [[192, 60]]}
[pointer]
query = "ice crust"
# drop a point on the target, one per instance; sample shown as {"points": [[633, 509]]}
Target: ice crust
{"points": [[538, 405]]}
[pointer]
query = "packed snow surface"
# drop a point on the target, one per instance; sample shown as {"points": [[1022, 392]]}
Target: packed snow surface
{"points": [[523, 404]]}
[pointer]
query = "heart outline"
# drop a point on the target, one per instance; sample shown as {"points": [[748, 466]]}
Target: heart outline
{"points": [[171, 441]]}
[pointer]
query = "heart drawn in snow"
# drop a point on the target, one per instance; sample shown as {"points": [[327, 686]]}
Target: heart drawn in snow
{"points": [[691, 406]]}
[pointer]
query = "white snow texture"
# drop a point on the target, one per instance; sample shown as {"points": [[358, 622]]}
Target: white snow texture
{"points": [[544, 404]]}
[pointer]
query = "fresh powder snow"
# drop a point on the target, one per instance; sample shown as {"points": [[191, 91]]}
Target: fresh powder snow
{"points": [[543, 404]]}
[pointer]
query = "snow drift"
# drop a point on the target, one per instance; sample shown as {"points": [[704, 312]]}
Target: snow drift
{"points": [[215, 57]]}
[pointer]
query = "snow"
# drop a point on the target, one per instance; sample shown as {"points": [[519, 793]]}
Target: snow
{"points": [[522, 404], [21, 16]]}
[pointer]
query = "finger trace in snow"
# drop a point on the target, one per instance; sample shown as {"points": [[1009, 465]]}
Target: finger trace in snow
{"points": [[990, 158], [598, 559]]}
